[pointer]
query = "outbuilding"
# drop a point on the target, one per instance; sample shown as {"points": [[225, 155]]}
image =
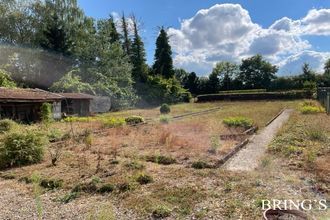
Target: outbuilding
{"points": [[78, 104], [24, 104]]}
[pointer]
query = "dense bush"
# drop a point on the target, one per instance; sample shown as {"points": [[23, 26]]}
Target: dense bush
{"points": [[133, 120], [165, 119], [21, 148], [165, 109], [7, 125], [238, 122], [309, 107]]}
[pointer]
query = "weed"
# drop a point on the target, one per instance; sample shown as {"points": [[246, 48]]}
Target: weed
{"points": [[36, 180], [311, 109], [265, 162], [113, 122], [201, 165], [51, 183], [88, 139], [316, 135], [124, 187], [85, 187], [144, 179], [215, 145], [69, 197], [106, 188], [135, 165], [161, 159]]}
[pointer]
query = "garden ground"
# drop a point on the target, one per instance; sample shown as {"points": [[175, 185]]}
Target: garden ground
{"points": [[146, 171]]}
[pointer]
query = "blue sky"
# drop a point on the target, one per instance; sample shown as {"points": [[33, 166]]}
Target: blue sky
{"points": [[231, 30]]}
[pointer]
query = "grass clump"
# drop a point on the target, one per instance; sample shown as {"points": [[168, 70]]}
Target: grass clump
{"points": [[144, 179], [124, 187], [22, 148], [165, 109], [161, 159], [164, 119], [51, 183], [69, 197], [106, 188], [238, 122], [134, 120], [89, 187], [161, 211], [135, 165], [201, 165], [7, 125]]}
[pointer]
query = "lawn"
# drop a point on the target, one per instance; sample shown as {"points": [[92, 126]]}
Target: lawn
{"points": [[146, 171]]}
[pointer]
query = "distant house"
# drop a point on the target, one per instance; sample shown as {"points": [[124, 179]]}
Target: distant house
{"points": [[76, 104], [24, 104]]}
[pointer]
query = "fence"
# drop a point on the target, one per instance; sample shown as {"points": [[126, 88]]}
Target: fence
{"points": [[323, 95]]}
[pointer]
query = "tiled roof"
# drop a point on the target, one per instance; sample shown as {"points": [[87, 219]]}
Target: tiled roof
{"points": [[76, 96], [19, 94]]}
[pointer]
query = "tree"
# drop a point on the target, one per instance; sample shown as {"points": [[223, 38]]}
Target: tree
{"points": [[256, 73], [163, 64], [5, 80], [226, 72], [327, 68], [308, 74], [191, 83], [72, 83], [138, 56], [213, 83], [127, 41]]}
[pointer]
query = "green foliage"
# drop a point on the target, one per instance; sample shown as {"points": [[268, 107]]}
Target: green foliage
{"points": [[159, 90], [165, 109], [78, 119], [133, 120], [161, 159], [201, 165], [71, 82], [7, 125], [88, 138], [256, 73], [226, 71], [46, 112], [5, 80], [238, 122], [144, 179], [21, 148], [69, 197], [161, 211], [165, 119], [113, 122], [163, 64], [55, 135]]}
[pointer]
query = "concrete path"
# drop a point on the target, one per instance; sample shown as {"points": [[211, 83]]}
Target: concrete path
{"points": [[249, 157]]}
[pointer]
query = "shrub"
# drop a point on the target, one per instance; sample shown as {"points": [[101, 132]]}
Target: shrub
{"points": [[7, 125], [113, 122], [238, 122], [133, 120], [160, 159], [78, 119], [22, 148], [311, 109], [165, 119], [201, 165], [46, 112], [144, 179], [51, 183], [106, 188], [161, 211], [165, 109], [89, 187], [54, 135], [69, 197]]}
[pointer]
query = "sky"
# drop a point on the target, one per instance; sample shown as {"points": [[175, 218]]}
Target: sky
{"points": [[203, 32]]}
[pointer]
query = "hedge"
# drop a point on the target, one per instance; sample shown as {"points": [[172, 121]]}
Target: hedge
{"points": [[301, 94]]}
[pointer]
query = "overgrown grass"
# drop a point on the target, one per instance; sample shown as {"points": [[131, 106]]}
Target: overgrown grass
{"points": [[240, 121]]}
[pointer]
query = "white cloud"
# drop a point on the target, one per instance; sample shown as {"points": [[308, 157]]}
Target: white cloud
{"points": [[226, 32], [292, 65]]}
